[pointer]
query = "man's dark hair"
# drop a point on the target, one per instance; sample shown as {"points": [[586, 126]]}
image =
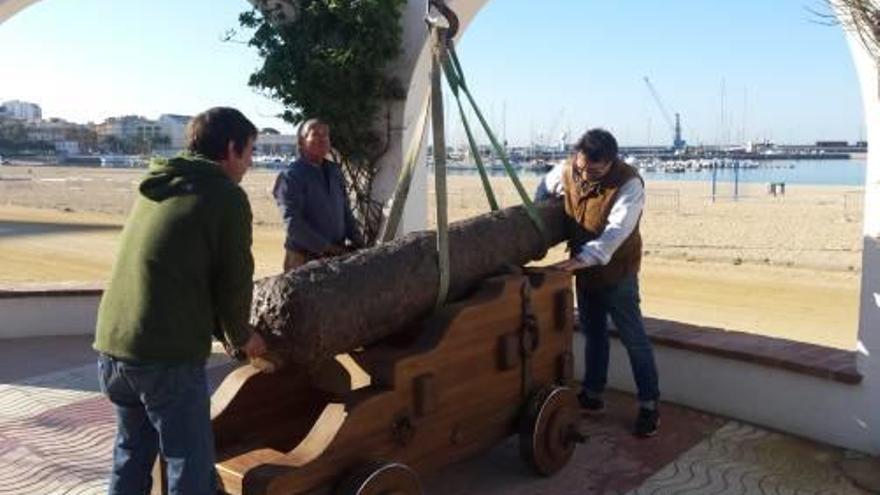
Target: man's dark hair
{"points": [[209, 132], [598, 145]]}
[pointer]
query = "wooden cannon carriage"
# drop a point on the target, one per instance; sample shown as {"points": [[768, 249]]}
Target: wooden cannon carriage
{"points": [[371, 421]]}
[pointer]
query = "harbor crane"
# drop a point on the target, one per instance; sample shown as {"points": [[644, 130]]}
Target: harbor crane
{"points": [[677, 142]]}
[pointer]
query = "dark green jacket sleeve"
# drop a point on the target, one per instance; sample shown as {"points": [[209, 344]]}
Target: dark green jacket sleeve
{"points": [[235, 269]]}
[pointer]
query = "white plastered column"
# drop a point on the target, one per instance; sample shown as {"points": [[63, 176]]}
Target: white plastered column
{"points": [[413, 70], [866, 408]]}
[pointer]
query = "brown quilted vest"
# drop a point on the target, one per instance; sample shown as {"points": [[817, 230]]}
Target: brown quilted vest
{"points": [[587, 205]]}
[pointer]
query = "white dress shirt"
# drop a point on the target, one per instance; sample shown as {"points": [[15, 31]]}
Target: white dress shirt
{"points": [[622, 221]]}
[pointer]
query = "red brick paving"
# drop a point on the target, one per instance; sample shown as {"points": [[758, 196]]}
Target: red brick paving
{"points": [[56, 438], [612, 461]]}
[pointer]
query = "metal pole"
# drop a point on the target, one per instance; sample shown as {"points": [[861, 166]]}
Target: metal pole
{"points": [[714, 179], [439, 38], [736, 180]]}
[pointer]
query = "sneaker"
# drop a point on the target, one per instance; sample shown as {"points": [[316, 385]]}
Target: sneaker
{"points": [[591, 405], [647, 422]]}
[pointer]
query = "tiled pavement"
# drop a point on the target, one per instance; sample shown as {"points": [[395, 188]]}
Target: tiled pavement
{"points": [[56, 434]]}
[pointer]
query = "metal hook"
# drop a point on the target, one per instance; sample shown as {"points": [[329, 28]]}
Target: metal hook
{"points": [[447, 13]]}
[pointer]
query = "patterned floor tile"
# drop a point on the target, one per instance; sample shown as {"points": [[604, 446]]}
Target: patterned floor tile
{"points": [[745, 460], [56, 434]]}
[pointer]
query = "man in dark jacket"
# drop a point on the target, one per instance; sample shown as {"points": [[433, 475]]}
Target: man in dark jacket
{"points": [[314, 205], [604, 198], [184, 272]]}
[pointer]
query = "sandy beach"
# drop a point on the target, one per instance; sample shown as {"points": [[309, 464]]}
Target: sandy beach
{"points": [[786, 266]]}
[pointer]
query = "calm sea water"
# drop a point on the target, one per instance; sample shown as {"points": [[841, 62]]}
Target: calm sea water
{"points": [[818, 172]]}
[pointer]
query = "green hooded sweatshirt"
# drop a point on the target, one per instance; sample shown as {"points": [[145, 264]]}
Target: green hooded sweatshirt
{"points": [[184, 269]]}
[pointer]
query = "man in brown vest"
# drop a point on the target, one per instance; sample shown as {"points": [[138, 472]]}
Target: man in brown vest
{"points": [[604, 198]]}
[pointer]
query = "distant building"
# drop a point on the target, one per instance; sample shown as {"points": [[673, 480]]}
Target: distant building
{"points": [[21, 110], [129, 127], [831, 144], [276, 144], [50, 131], [66, 137], [174, 126], [67, 147], [841, 147]]}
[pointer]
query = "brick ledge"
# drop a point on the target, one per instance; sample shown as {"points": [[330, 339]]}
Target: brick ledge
{"points": [[809, 359], [21, 291]]}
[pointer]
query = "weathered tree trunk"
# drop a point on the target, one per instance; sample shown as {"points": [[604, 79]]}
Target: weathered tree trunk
{"points": [[323, 309]]}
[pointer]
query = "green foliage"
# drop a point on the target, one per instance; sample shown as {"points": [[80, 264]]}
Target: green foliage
{"points": [[12, 130], [327, 59], [14, 139]]}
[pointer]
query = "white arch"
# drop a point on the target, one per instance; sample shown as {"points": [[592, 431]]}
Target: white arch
{"points": [[843, 415], [9, 8]]}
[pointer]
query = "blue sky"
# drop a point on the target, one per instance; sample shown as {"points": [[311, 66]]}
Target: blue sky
{"points": [[547, 65]]}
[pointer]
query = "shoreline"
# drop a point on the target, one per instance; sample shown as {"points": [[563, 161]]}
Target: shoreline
{"points": [[785, 266]]}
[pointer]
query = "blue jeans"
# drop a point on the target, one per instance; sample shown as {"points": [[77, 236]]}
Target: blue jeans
{"points": [[159, 408], [621, 302]]}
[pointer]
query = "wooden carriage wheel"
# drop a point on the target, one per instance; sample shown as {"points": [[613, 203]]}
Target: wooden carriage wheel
{"points": [[391, 478], [549, 429]]}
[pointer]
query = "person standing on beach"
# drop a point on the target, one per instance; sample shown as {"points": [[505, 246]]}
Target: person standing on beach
{"points": [[183, 272], [314, 205], [604, 198]]}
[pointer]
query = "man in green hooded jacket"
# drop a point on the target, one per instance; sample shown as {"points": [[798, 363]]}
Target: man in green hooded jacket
{"points": [[184, 272]]}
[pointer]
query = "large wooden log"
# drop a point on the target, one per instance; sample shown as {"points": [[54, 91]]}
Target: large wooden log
{"points": [[326, 308]]}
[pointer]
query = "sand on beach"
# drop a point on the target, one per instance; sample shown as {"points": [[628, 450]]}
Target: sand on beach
{"points": [[786, 266], [815, 227]]}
